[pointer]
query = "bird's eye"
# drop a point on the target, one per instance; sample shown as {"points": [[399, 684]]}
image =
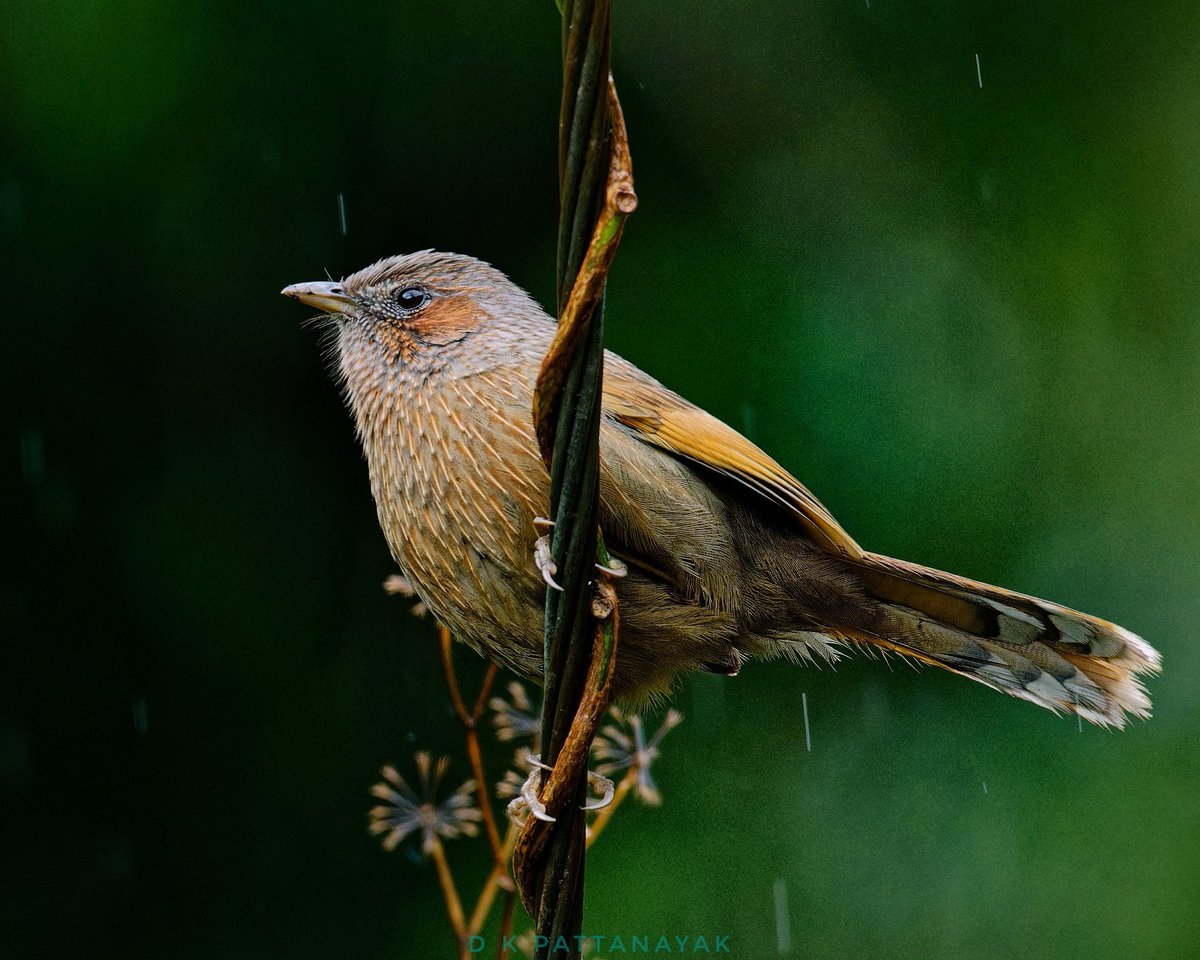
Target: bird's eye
{"points": [[412, 298]]}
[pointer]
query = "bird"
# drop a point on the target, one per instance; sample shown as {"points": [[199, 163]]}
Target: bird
{"points": [[727, 556]]}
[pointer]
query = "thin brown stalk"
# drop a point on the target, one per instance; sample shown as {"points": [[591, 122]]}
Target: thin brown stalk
{"points": [[499, 879], [454, 908], [481, 700], [470, 722], [446, 642], [510, 900], [481, 792]]}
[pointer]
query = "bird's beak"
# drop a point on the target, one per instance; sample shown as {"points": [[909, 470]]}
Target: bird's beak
{"points": [[326, 296]]}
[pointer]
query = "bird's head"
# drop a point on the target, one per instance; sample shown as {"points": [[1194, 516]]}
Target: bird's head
{"points": [[411, 308]]}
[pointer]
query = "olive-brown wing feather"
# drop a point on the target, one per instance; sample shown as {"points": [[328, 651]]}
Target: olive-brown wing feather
{"points": [[665, 420]]}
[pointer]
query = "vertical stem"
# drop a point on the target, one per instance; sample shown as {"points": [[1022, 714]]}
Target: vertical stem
{"points": [[470, 722], [506, 926], [574, 467], [498, 879], [501, 851], [454, 908], [596, 195]]}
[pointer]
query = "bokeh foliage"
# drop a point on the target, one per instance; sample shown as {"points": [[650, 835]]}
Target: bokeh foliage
{"points": [[966, 316]]}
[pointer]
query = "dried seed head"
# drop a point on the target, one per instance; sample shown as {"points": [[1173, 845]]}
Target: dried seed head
{"points": [[623, 744], [407, 811], [516, 717]]}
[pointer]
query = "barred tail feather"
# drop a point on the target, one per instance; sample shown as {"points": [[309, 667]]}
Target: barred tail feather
{"points": [[1039, 651]]}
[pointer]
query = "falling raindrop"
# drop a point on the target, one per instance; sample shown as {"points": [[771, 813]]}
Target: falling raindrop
{"points": [[876, 715], [783, 922], [342, 212], [807, 736], [141, 716], [748, 420]]}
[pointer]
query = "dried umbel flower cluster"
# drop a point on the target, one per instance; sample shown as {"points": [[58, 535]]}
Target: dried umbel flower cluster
{"points": [[516, 717], [413, 808], [399, 586], [623, 744], [509, 786], [407, 811]]}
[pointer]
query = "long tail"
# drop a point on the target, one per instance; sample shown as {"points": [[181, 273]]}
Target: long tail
{"points": [[1052, 656]]}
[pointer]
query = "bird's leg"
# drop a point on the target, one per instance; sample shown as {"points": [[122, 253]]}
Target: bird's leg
{"points": [[542, 557], [527, 803], [547, 566]]}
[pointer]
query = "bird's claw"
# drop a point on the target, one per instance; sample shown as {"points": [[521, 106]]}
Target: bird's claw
{"points": [[542, 556], [545, 562], [548, 568], [527, 802], [615, 568], [604, 787]]}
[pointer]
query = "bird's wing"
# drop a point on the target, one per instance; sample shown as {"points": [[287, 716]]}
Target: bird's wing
{"points": [[665, 420]]}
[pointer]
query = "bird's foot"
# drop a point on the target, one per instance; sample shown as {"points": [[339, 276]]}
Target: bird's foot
{"points": [[604, 787], [548, 568], [615, 568], [542, 557], [527, 803]]}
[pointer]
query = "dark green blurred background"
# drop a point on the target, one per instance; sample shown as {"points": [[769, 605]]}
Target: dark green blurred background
{"points": [[967, 316]]}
